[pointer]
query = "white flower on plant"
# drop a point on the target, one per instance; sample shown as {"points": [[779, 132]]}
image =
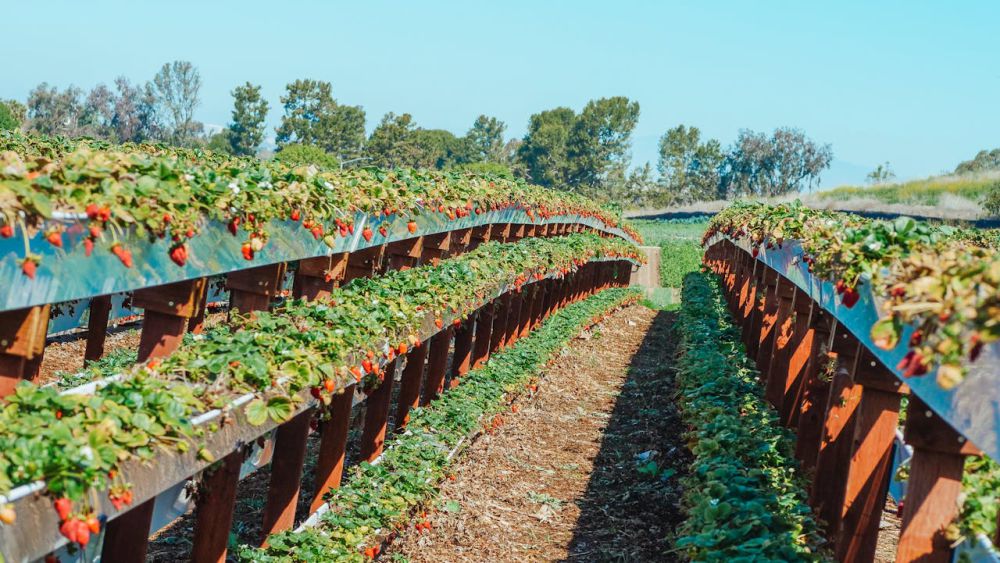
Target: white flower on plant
{"points": [[189, 177], [234, 187], [87, 452], [327, 185]]}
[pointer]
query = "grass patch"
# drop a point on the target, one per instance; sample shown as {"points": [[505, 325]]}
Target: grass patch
{"points": [[927, 191]]}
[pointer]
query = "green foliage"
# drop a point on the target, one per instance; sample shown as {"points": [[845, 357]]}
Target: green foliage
{"points": [[393, 143], [486, 140], [543, 151], [380, 498], [313, 117], [491, 169], [175, 88], [991, 200], [680, 244], [7, 119], [297, 154], [219, 143], [439, 149], [881, 175], [689, 169], [927, 191], [984, 161], [600, 141], [759, 165], [246, 132], [744, 495]]}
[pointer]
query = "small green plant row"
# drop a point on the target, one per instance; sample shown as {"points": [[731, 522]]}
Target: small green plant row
{"points": [[171, 194], [743, 496], [77, 442], [941, 280], [379, 500]]}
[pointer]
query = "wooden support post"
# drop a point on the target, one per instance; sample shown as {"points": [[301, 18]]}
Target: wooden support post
{"points": [[97, 328], [484, 331], [316, 277], [933, 487], [752, 335], [768, 322], [827, 494], [364, 263], [435, 247], [196, 324], [409, 385], [253, 289], [22, 345], [377, 416], [776, 359], [500, 232], [286, 474], [794, 358], [216, 502], [332, 446], [745, 317], [165, 318], [513, 318], [479, 236], [462, 358], [461, 241], [529, 303], [404, 254], [437, 363], [870, 464], [500, 322], [815, 391]]}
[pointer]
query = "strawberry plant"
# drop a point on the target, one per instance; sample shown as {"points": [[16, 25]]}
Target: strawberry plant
{"points": [[743, 497], [379, 499]]}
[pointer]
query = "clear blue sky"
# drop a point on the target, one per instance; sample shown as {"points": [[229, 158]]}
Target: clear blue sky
{"points": [[913, 83]]}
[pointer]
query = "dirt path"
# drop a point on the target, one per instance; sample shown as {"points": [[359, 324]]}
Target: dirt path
{"points": [[583, 472]]}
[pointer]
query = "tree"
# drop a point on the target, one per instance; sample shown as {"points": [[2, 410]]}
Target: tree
{"points": [[485, 169], [543, 151], [135, 119], [297, 154], [175, 88], [97, 113], [599, 143], [984, 161], [437, 148], [880, 175], [246, 132], [393, 144], [219, 143], [786, 162], [7, 120], [313, 117], [51, 112], [486, 139], [688, 168]]}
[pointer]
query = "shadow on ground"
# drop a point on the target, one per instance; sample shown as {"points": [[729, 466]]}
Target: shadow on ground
{"points": [[632, 502]]}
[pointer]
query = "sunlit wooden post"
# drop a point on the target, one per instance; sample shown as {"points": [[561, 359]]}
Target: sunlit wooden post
{"points": [[500, 322], [215, 509], [437, 363], [317, 277], [97, 328], [462, 360], [254, 289], [815, 391], [513, 318], [869, 468], [165, 318], [768, 321], [286, 474], [365, 263], [22, 344], [332, 446], [409, 384], [788, 367], [933, 486], [484, 331], [377, 415], [196, 324], [774, 359], [479, 235], [827, 494], [404, 254]]}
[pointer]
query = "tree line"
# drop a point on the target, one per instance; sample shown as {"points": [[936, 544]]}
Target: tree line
{"points": [[587, 152]]}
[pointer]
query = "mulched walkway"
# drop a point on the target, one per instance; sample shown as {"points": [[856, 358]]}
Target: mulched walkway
{"points": [[587, 470]]}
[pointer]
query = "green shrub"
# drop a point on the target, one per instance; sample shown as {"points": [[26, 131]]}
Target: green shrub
{"points": [[991, 200], [7, 120], [297, 154]]}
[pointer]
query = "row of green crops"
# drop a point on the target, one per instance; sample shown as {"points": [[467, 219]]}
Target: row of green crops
{"points": [[743, 496], [380, 498], [679, 242], [161, 192], [78, 442]]}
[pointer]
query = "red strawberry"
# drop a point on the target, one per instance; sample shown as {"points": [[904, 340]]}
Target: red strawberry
{"points": [[92, 210], [247, 251], [850, 297], [317, 232], [54, 238], [402, 348], [367, 233], [412, 227], [357, 373], [69, 530], [88, 247], [330, 385], [94, 524], [350, 228], [295, 215], [343, 231], [179, 255], [64, 507], [104, 213], [95, 231], [438, 322], [7, 231], [166, 218], [383, 231], [28, 266], [367, 365], [123, 254], [234, 226], [314, 391]]}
